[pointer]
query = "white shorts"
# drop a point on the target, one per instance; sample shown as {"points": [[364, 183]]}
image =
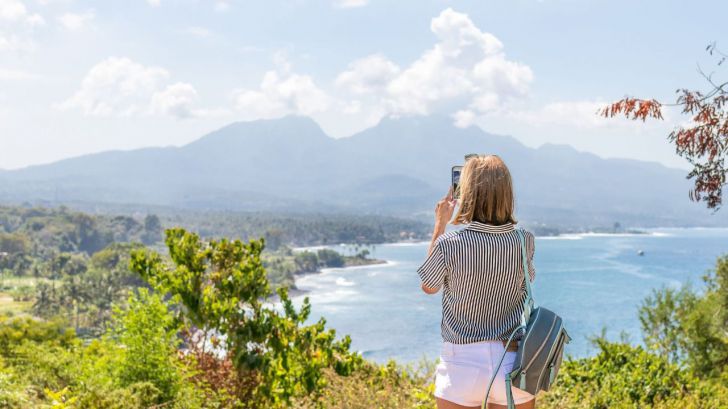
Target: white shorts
{"points": [[464, 371]]}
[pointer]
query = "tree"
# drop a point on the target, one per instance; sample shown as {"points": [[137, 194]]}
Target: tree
{"points": [[152, 229], [47, 302], [306, 261], [330, 258], [13, 243], [704, 142], [148, 334], [689, 326], [221, 289], [274, 238], [72, 294]]}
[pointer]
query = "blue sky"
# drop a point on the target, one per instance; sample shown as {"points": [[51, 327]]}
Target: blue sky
{"points": [[80, 76]]}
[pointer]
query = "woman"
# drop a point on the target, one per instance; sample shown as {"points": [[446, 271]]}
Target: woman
{"points": [[480, 271]]}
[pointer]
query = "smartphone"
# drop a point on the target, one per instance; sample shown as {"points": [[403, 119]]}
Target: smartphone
{"points": [[456, 171]]}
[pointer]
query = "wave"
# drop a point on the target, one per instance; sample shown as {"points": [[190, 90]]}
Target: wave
{"points": [[561, 237], [341, 281], [579, 236], [405, 244], [309, 248]]}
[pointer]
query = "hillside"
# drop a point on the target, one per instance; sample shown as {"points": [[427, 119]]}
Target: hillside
{"points": [[398, 167]]}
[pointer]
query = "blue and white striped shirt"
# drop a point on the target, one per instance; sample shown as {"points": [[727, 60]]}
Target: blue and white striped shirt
{"points": [[480, 271]]}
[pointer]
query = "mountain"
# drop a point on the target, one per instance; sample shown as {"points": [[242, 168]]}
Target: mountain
{"points": [[401, 166]]}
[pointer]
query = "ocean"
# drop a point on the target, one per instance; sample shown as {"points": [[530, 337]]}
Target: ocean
{"points": [[595, 281]]}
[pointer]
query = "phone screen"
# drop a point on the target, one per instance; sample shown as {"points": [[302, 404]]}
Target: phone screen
{"points": [[456, 170]]}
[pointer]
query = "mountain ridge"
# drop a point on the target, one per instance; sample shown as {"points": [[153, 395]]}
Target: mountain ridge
{"points": [[400, 166]]}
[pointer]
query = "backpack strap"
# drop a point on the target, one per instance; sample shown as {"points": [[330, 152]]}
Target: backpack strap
{"points": [[497, 370]]}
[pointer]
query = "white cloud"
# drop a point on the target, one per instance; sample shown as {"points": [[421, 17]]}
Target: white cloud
{"points": [[465, 74], [175, 100], [368, 75], [122, 87], [282, 93], [465, 67], [116, 86], [578, 114], [200, 32], [222, 5], [464, 118], [219, 5], [12, 10], [15, 11], [350, 3], [20, 23], [76, 21]]}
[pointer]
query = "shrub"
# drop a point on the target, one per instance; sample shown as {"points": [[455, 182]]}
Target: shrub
{"points": [[146, 334], [12, 392], [16, 330], [221, 288], [689, 327], [330, 258], [376, 386], [626, 376]]}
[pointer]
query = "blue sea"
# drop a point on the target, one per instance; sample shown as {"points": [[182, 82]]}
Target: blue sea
{"points": [[596, 282]]}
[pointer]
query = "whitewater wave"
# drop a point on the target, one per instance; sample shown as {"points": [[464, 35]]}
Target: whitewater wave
{"points": [[341, 281], [406, 244], [579, 236], [561, 237]]}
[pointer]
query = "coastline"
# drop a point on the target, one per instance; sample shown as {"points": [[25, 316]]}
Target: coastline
{"points": [[296, 292], [636, 232]]}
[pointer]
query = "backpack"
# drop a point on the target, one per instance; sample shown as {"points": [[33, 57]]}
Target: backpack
{"points": [[540, 349]]}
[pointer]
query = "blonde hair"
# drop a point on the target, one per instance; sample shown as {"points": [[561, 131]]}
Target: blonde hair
{"points": [[486, 192]]}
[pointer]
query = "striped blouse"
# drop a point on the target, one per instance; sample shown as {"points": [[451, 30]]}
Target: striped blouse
{"points": [[480, 270]]}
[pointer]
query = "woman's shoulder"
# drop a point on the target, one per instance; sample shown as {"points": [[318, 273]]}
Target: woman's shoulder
{"points": [[449, 237]]}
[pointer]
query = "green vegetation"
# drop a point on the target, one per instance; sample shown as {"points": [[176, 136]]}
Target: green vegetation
{"points": [[305, 229], [60, 262], [284, 264], [89, 319], [92, 318], [685, 363], [201, 338]]}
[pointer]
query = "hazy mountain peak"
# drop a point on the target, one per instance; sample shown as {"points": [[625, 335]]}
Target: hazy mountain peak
{"points": [[401, 165], [291, 128]]}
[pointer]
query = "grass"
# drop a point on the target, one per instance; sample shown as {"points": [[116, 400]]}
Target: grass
{"points": [[10, 287], [8, 282], [8, 306]]}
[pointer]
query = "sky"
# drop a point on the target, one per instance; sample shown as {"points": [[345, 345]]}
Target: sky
{"points": [[78, 77]]}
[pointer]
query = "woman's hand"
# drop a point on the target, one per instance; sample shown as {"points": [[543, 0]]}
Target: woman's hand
{"points": [[443, 211]]}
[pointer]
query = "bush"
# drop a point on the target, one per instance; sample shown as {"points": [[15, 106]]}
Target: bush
{"points": [[689, 327], [626, 376], [221, 288], [17, 330], [330, 258], [376, 386], [12, 392], [146, 344]]}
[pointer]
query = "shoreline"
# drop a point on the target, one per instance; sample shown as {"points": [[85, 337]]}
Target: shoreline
{"points": [[651, 232], [296, 292], [635, 232]]}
